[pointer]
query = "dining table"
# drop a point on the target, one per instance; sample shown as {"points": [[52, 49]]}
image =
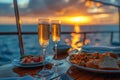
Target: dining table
{"points": [[66, 71]]}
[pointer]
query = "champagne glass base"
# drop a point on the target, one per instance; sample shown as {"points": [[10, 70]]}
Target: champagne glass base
{"points": [[45, 73]]}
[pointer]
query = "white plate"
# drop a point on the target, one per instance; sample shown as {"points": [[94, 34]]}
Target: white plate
{"points": [[93, 69], [16, 62]]}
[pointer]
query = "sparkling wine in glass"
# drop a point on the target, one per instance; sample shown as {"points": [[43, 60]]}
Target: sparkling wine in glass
{"points": [[43, 36], [56, 32]]}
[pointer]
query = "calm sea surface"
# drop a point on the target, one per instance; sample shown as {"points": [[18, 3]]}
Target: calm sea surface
{"points": [[9, 44]]}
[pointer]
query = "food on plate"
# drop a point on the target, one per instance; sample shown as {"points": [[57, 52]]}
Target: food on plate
{"points": [[108, 63], [118, 62], [31, 59], [112, 55], [108, 60], [93, 63]]}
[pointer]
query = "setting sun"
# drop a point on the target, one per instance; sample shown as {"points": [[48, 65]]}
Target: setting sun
{"points": [[76, 20], [81, 19]]}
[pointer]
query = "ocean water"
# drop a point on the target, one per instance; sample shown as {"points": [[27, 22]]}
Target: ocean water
{"points": [[9, 44]]}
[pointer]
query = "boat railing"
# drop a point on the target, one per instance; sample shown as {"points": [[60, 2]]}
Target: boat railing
{"points": [[63, 33]]}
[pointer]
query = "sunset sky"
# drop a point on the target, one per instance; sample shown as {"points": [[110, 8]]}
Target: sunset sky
{"points": [[69, 11]]}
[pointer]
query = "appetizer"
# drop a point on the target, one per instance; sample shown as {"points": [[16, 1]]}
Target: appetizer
{"points": [[31, 59], [106, 61]]}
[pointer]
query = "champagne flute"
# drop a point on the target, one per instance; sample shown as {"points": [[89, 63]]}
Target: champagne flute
{"points": [[43, 36], [56, 32]]}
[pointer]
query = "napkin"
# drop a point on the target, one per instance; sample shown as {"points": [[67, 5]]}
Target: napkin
{"points": [[18, 78]]}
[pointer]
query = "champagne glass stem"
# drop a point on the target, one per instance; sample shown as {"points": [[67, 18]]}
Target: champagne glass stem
{"points": [[56, 56], [44, 55], [56, 51]]}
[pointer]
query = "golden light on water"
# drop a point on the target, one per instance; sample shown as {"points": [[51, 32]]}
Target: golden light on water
{"points": [[75, 38]]}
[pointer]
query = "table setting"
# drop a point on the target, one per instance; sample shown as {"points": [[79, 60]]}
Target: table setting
{"points": [[67, 70]]}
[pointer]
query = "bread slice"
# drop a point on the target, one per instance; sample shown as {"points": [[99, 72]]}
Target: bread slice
{"points": [[108, 63]]}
